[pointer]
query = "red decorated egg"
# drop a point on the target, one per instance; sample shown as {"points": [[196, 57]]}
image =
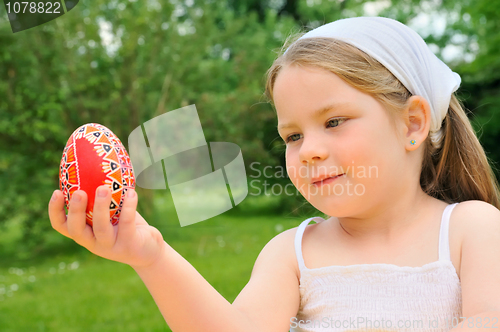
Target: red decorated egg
{"points": [[94, 156]]}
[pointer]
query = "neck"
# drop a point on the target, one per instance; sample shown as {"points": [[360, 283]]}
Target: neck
{"points": [[385, 223]]}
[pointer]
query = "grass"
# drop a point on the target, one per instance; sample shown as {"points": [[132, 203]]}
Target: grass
{"points": [[73, 290]]}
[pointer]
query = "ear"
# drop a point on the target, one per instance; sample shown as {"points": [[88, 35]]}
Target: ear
{"points": [[417, 119]]}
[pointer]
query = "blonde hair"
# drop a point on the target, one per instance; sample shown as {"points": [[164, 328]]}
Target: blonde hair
{"points": [[457, 171]]}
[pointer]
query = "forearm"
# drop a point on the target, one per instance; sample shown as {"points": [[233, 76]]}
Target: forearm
{"points": [[186, 300], [485, 321]]}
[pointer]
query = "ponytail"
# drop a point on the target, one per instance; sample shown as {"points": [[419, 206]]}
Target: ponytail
{"points": [[459, 170]]}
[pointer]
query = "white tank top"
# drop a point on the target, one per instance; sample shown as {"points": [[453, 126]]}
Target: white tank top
{"points": [[378, 297]]}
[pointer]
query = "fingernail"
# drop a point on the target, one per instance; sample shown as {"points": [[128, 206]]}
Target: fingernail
{"points": [[131, 193], [54, 196], [76, 197], [102, 192]]}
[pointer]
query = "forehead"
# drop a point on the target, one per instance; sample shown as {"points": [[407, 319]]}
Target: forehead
{"points": [[301, 88]]}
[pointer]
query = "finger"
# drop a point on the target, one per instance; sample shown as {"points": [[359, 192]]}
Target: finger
{"points": [[103, 229], [77, 219], [127, 222], [57, 214]]}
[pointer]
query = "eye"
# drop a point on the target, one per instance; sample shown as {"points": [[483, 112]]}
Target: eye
{"points": [[289, 138], [336, 121], [330, 123]]}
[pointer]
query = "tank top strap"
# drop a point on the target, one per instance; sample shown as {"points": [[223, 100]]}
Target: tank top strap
{"points": [[444, 242], [298, 239]]}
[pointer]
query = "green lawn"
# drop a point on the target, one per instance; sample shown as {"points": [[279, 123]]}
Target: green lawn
{"points": [[73, 290]]}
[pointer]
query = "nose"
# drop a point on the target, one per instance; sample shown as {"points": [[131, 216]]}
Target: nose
{"points": [[312, 150]]}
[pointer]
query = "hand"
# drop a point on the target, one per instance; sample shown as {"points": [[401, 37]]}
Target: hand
{"points": [[132, 241]]}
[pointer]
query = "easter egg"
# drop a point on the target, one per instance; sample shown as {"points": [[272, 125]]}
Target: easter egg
{"points": [[94, 156]]}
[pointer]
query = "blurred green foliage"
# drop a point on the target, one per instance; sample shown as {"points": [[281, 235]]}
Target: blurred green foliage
{"points": [[121, 63]]}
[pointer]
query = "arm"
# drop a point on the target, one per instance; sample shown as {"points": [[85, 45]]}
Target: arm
{"points": [[480, 268], [272, 295], [186, 300], [189, 303]]}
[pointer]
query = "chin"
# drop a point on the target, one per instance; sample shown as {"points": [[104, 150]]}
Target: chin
{"points": [[336, 209]]}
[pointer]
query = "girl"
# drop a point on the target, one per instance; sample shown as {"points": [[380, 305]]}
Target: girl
{"points": [[375, 139]]}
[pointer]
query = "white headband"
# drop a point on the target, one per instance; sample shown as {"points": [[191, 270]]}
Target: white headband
{"points": [[405, 54]]}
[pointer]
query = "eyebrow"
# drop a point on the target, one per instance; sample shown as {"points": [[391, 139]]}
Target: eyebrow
{"points": [[319, 112]]}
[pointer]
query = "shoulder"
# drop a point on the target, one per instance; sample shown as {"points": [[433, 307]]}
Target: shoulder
{"points": [[281, 250], [476, 216], [474, 219], [470, 219], [285, 241], [282, 242]]}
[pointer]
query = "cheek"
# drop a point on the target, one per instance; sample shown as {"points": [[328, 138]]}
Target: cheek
{"points": [[361, 157], [354, 150], [371, 158], [295, 170], [291, 165]]}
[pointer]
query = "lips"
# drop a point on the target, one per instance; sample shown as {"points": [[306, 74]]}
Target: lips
{"points": [[320, 179]]}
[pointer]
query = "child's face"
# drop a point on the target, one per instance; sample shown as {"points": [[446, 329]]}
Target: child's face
{"points": [[355, 138]]}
